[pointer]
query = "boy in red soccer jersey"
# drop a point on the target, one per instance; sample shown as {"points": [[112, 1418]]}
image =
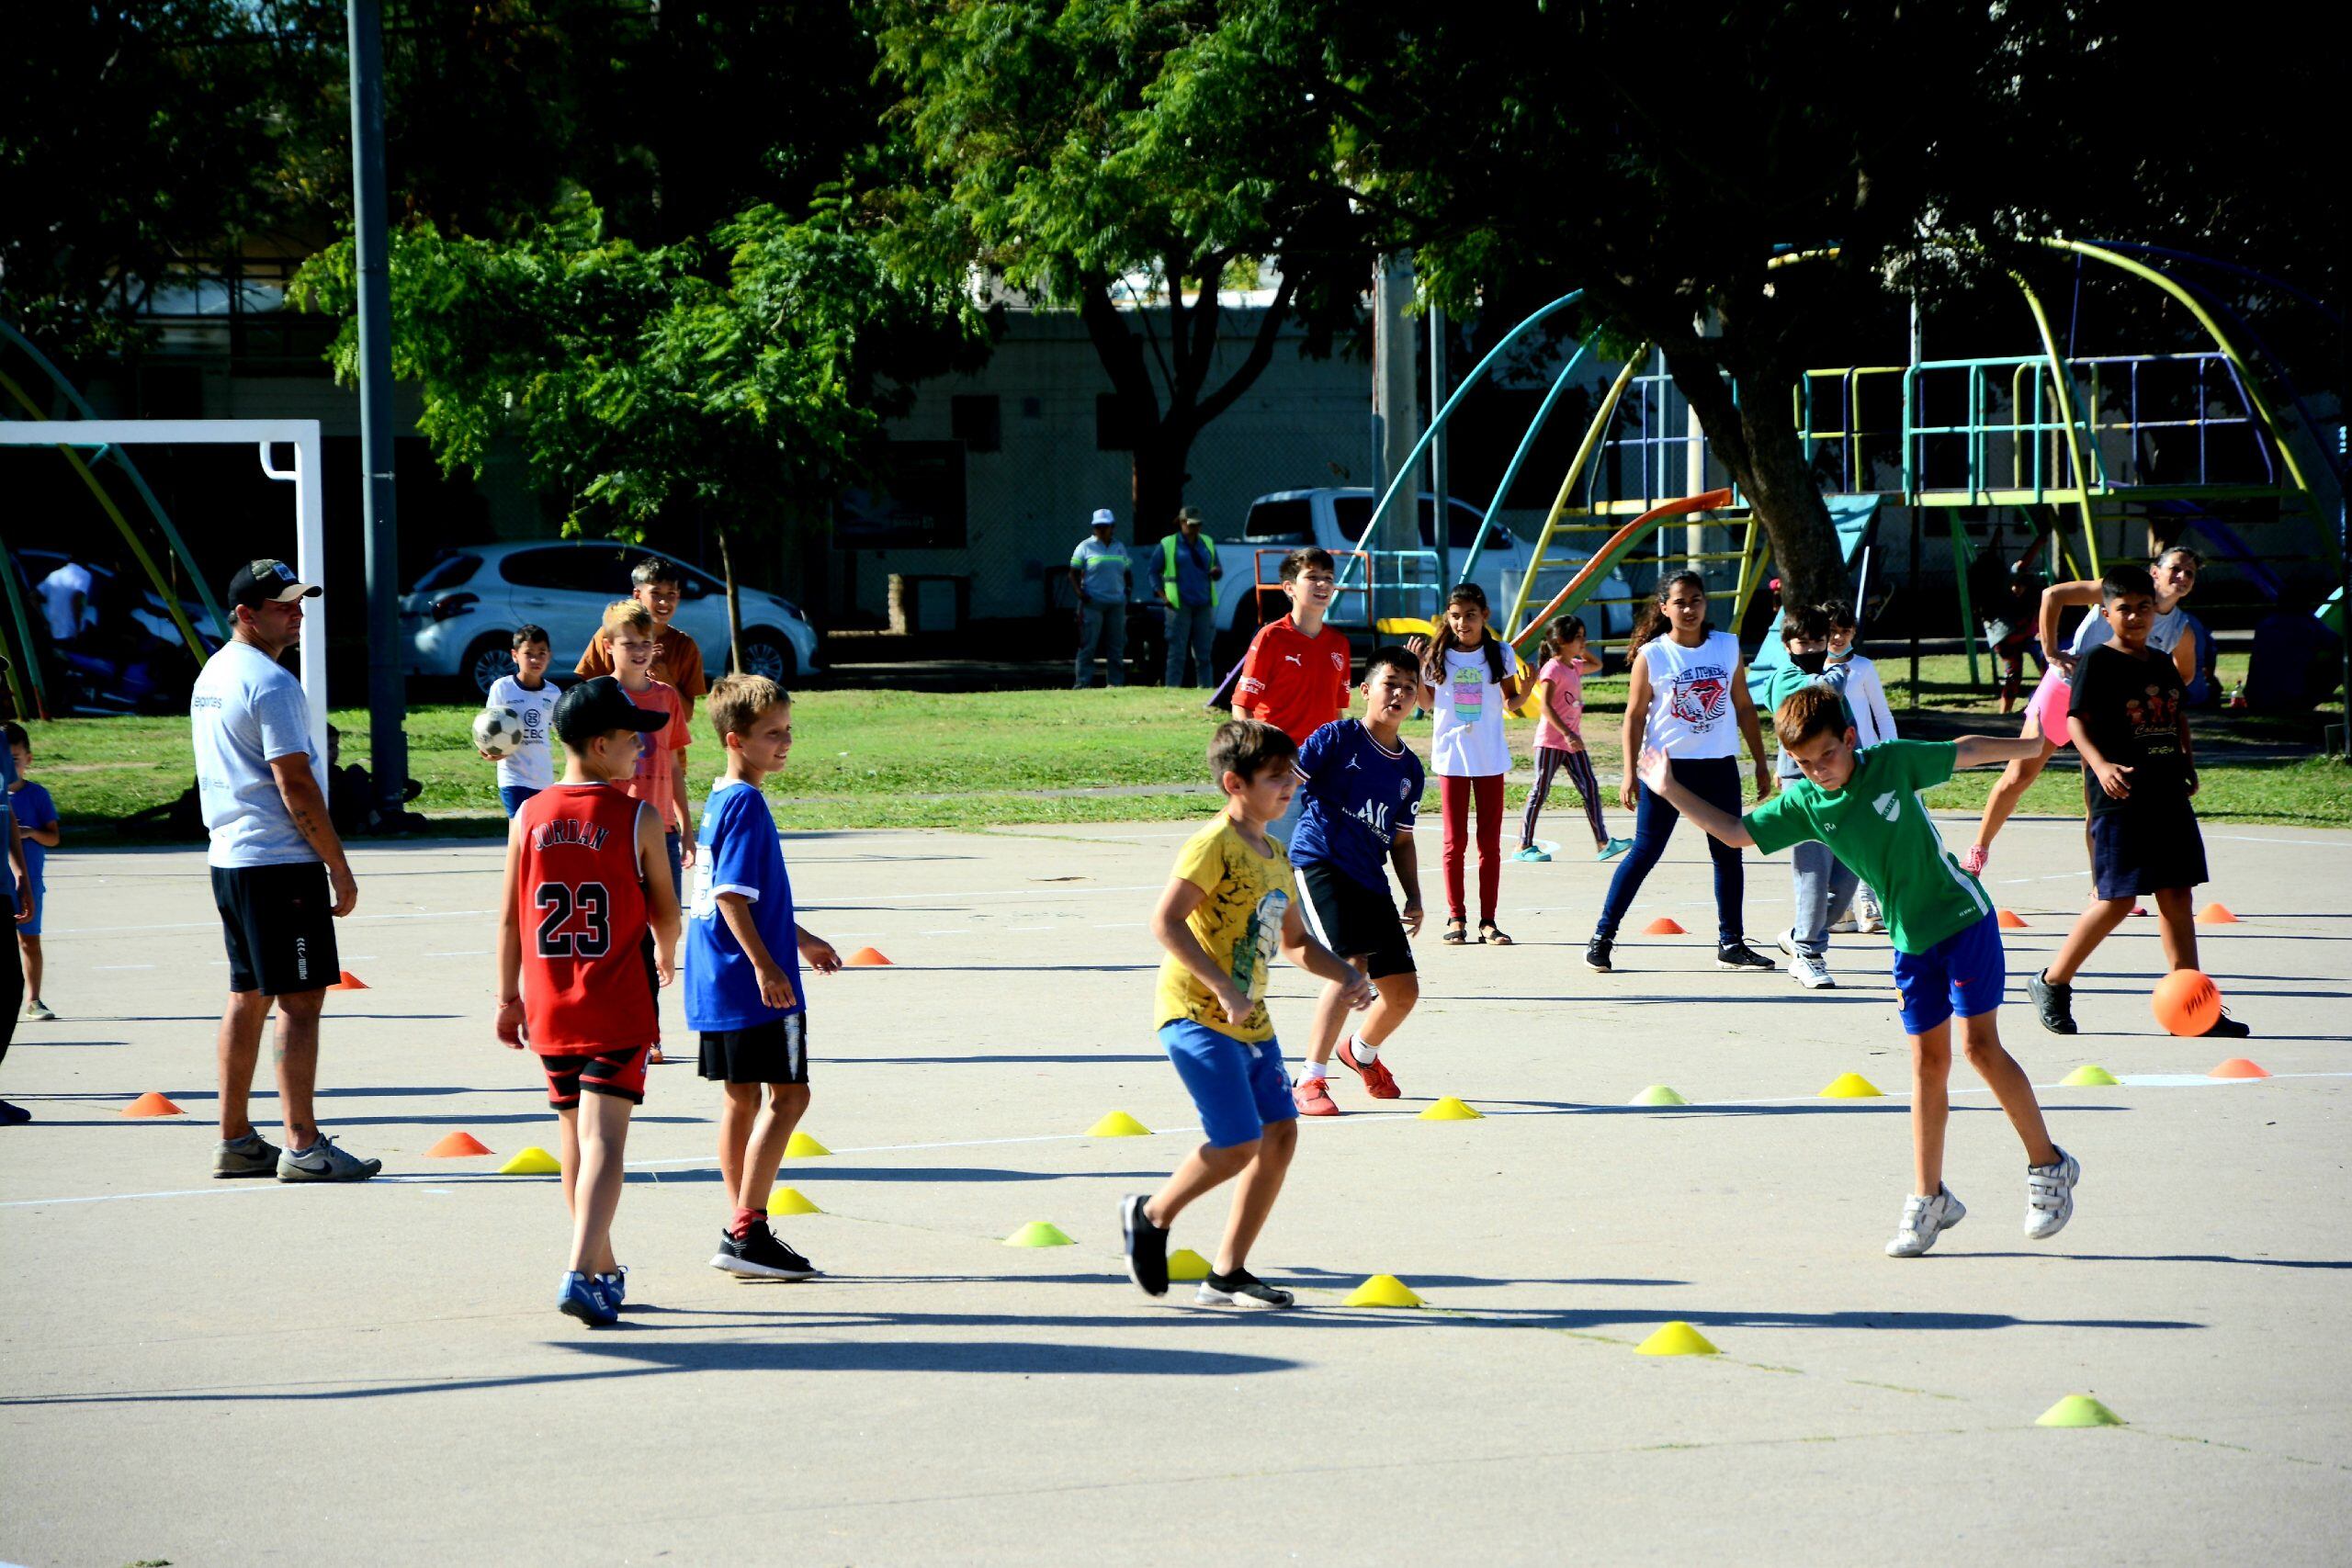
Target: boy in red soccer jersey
{"points": [[588, 872], [1294, 676]]}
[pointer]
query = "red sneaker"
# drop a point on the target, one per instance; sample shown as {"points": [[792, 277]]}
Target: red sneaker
{"points": [[1312, 1098], [1378, 1082]]}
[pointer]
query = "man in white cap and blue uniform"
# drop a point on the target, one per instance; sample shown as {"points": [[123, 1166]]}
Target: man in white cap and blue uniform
{"points": [[1099, 568]]}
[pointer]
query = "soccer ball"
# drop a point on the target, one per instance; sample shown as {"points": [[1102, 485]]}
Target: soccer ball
{"points": [[498, 731]]}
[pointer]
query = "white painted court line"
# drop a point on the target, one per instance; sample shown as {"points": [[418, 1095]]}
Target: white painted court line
{"points": [[2145, 1080]]}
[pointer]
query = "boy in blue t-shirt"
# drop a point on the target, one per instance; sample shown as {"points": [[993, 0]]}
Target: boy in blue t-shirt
{"points": [[742, 967], [1363, 791], [36, 816]]}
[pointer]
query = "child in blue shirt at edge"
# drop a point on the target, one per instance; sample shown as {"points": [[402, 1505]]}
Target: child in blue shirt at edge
{"points": [[1363, 794], [1947, 955], [1230, 903], [743, 948], [36, 816]]}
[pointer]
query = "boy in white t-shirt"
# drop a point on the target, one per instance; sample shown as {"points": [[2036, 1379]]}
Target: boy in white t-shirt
{"points": [[530, 767], [1874, 722]]}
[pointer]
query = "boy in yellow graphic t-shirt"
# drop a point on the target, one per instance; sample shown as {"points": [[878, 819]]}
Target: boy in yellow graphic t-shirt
{"points": [[1230, 904]]}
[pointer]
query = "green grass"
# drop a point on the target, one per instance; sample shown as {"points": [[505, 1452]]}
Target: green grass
{"points": [[874, 759]]}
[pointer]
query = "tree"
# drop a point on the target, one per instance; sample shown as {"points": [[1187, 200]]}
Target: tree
{"points": [[638, 385], [1130, 158], [1740, 188]]}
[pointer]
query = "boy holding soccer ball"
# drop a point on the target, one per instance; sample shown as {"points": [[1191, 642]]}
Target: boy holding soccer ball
{"points": [[527, 766]]}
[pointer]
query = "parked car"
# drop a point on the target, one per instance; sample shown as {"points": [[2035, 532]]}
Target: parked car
{"points": [[457, 620], [1335, 518]]}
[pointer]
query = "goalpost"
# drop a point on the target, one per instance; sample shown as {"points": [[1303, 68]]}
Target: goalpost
{"points": [[310, 511]]}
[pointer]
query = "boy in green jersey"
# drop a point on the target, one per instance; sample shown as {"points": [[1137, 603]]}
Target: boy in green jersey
{"points": [[1865, 806]]}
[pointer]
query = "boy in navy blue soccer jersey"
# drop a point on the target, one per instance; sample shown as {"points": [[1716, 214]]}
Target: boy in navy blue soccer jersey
{"points": [[743, 952], [1363, 791]]}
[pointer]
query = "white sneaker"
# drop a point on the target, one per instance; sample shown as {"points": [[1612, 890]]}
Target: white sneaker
{"points": [[1843, 926], [36, 1012], [2050, 1196], [1787, 941], [1924, 1218], [1811, 972], [1867, 925]]}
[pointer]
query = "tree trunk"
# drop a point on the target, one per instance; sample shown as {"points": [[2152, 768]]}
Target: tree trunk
{"points": [[734, 605], [1158, 478], [1756, 440]]}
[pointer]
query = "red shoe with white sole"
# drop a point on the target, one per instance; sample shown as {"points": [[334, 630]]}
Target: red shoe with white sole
{"points": [[1378, 1082], [1312, 1098]]}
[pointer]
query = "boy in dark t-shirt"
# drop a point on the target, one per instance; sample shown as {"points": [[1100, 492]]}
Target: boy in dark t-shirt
{"points": [[1363, 791], [2129, 720]]}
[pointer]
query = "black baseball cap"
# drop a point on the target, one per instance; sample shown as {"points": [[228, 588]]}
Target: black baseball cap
{"points": [[268, 582], [598, 706]]}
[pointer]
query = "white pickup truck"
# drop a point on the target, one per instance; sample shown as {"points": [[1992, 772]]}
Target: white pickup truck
{"points": [[1334, 519]]}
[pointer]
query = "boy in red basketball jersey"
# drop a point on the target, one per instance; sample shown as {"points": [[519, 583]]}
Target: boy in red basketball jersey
{"points": [[588, 875]]}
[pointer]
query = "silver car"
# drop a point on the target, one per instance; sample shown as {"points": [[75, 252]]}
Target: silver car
{"points": [[458, 621]]}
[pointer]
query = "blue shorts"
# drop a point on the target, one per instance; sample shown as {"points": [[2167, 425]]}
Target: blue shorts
{"points": [[1238, 1088], [512, 796], [40, 909], [1963, 973]]}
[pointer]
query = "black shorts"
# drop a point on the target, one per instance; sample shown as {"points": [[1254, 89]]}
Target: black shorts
{"points": [[278, 924], [2140, 850], [1354, 920], [619, 1072], [776, 1052]]}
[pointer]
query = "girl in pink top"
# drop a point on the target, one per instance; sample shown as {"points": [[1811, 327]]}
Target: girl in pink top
{"points": [[1557, 701]]}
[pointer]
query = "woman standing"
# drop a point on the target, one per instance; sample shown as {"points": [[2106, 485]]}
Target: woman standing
{"points": [[1688, 698]]}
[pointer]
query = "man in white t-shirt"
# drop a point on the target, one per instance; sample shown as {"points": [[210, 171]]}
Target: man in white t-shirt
{"points": [[278, 875], [1099, 569], [65, 601]]}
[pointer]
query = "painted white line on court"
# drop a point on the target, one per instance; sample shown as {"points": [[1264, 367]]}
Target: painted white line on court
{"points": [[215, 925], [461, 953], [103, 966], [2150, 1080]]}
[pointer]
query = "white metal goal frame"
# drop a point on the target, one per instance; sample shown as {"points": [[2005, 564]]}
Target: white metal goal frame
{"points": [[310, 508]]}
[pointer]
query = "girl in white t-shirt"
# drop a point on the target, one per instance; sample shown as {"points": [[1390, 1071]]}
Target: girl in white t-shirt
{"points": [[2175, 573], [1688, 698], [1469, 674]]}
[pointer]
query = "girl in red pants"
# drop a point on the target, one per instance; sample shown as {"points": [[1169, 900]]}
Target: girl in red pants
{"points": [[1467, 675]]}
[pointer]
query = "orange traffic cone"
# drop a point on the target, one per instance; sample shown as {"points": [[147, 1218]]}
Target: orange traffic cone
{"points": [[458, 1146], [152, 1104], [2216, 914], [867, 958], [2010, 920], [349, 982], [2238, 1068], [1664, 925]]}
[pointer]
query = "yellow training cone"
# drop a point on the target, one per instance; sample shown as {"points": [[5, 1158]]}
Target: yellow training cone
{"points": [[1385, 1290], [2078, 1410], [1185, 1264], [2090, 1074], [1676, 1339], [1037, 1232], [1658, 1094], [1452, 1109], [1118, 1124], [803, 1147], [532, 1161], [1852, 1086], [791, 1201]]}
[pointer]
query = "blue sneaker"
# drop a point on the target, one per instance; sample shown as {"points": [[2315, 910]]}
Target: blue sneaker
{"points": [[1531, 853], [584, 1298], [616, 1286], [1613, 848]]}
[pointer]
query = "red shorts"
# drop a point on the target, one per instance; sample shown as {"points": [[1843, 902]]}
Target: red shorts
{"points": [[619, 1072]]}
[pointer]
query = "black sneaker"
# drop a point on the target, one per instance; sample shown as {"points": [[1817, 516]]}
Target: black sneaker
{"points": [[759, 1256], [1147, 1247], [1241, 1287], [1740, 955], [2226, 1028], [13, 1115], [2054, 1003], [1596, 955]]}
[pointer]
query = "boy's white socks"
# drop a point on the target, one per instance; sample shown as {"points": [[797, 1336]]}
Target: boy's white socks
{"points": [[1362, 1052], [1318, 1069]]}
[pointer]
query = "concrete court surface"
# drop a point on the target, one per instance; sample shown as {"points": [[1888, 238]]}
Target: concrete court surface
{"points": [[241, 1372]]}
